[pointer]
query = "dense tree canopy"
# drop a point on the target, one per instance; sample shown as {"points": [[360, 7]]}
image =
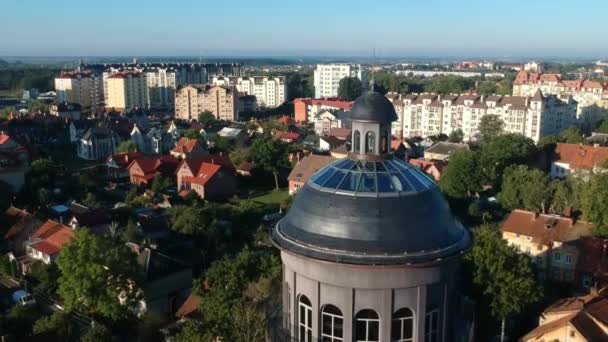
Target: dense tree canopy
{"points": [[349, 88], [490, 126], [206, 118], [594, 198], [524, 188], [462, 177], [58, 323], [456, 136], [96, 272], [270, 155], [127, 146], [502, 151]]}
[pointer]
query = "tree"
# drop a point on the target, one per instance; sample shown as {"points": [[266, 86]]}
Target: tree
{"points": [[221, 144], [502, 151], [566, 195], [490, 126], [131, 233], [186, 220], [90, 200], [462, 177], [98, 277], [456, 136], [5, 264], [47, 276], [97, 333], [59, 323], [502, 274], [603, 127], [239, 155], [159, 183], [193, 134], [523, 188], [206, 118], [572, 135], [20, 320], [127, 146], [44, 196], [349, 88], [593, 199], [270, 155]]}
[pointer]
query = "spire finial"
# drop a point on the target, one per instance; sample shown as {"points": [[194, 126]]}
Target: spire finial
{"points": [[373, 81]]}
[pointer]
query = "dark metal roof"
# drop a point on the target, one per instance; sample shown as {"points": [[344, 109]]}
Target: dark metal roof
{"points": [[403, 225], [373, 106]]}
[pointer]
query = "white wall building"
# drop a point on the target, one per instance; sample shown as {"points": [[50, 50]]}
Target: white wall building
{"points": [[269, 92], [124, 90], [327, 78], [84, 88], [431, 114]]}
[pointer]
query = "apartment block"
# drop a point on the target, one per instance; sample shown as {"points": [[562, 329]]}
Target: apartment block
{"points": [[432, 114], [269, 92], [82, 87], [124, 90], [327, 78], [222, 101], [590, 95]]}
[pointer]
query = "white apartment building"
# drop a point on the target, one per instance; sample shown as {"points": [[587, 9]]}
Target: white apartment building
{"points": [[161, 84], [269, 92], [588, 94], [84, 88], [222, 101], [431, 114], [124, 90], [327, 78]]}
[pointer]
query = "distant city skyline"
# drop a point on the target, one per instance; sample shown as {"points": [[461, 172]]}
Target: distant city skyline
{"points": [[316, 28]]}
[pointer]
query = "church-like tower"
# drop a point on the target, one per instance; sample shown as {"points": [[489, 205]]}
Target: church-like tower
{"points": [[370, 249]]}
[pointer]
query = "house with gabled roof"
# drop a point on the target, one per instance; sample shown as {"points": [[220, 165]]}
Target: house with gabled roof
{"points": [[44, 245], [116, 165], [305, 168], [209, 180], [577, 159], [143, 170], [17, 225], [187, 148]]}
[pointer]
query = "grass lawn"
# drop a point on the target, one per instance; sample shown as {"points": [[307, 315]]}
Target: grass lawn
{"points": [[272, 197]]}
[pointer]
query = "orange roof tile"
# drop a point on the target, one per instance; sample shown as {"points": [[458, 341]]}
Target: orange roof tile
{"points": [[579, 156], [545, 229], [53, 236]]}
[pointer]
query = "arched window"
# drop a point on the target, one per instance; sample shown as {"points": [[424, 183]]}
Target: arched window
{"points": [[367, 326], [402, 327], [370, 142], [431, 325], [357, 142], [332, 323], [384, 142], [305, 319]]}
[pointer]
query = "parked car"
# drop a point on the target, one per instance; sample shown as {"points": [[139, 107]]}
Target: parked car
{"points": [[23, 298]]}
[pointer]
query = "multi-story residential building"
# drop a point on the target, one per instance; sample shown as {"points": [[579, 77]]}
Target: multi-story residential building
{"points": [[327, 120], [576, 159], [432, 114], [305, 110], [327, 78], [124, 90], [222, 101], [269, 92], [82, 87], [65, 110], [97, 143], [161, 84], [551, 241], [588, 94]]}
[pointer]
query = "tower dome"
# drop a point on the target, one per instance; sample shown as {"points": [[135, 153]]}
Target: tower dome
{"points": [[373, 106]]}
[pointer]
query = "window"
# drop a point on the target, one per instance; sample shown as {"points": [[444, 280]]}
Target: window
{"points": [[357, 142], [557, 256], [402, 327], [370, 142], [367, 326], [567, 259], [587, 281], [384, 142], [305, 319], [431, 324], [331, 324]]}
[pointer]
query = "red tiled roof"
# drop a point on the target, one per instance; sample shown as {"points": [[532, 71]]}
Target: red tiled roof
{"points": [[189, 307], [308, 166], [329, 103], [54, 235], [152, 164], [186, 145], [424, 165], [4, 138], [204, 172], [289, 136], [580, 156], [123, 159], [340, 133], [545, 229]]}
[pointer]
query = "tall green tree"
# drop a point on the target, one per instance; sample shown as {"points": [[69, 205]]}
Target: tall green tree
{"points": [[502, 274], [127, 146], [270, 155], [456, 136], [593, 199], [462, 177], [603, 127], [524, 188], [490, 126], [349, 88], [98, 277], [206, 118], [572, 135], [58, 323], [502, 151]]}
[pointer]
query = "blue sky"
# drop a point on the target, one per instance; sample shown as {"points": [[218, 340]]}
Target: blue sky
{"points": [[309, 28]]}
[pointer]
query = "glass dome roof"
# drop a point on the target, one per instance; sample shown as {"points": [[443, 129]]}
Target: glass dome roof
{"points": [[371, 178]]}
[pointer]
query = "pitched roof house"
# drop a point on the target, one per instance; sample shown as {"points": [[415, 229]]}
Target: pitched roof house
{"points": [[187, 148], [116, 165], [574, 158], [17, 225], [143, 170], [550, 240], [582, 318], [305, 168], [443, 150], [433, 168], [44, 245], [97, 143], [208, 180]]}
